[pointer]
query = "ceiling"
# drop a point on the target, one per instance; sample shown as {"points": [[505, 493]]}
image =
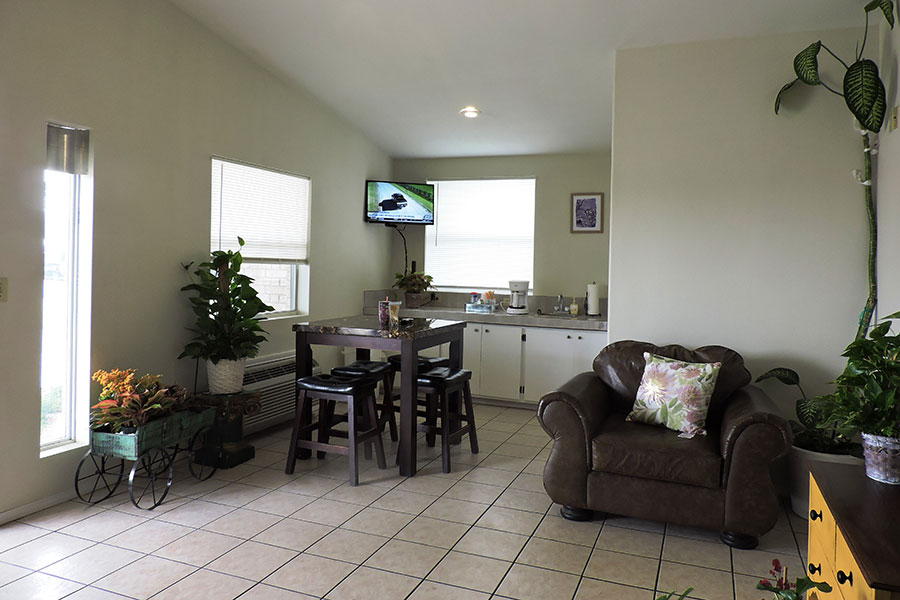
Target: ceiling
{"points": [[540, 71]]}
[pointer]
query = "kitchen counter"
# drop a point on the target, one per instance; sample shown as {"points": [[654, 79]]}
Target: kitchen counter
{"points": [[502, 318]]}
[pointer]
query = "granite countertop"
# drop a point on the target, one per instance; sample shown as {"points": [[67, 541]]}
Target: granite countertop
{"points": [[367, 325], [502, 318]]}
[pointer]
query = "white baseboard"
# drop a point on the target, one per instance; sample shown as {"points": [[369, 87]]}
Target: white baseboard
{"points": [[33, 507]]}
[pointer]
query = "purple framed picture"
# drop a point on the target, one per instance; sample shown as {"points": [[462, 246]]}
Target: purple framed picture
{"points": [[587, 213]]}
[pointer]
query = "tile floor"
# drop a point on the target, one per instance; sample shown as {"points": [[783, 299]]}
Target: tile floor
{"points": [[486, 530]]}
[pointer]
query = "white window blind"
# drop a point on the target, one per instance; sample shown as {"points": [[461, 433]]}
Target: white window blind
{"points": [[268, 209], [483, 234]]}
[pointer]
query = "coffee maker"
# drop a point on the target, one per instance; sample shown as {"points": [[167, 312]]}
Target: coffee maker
{"points": [[518, 297]]}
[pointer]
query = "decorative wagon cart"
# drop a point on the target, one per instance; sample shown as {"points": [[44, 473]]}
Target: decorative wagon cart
{"points": [[153, 448]]}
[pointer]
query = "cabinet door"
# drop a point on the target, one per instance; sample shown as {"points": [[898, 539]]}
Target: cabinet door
{"points": [[586, 346], [547, 360], [501, 361], [472, 354], [850, 580], [818, 568], [821, 524]]}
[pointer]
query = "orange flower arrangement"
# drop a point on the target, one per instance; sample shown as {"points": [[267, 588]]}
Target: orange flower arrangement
{"points": [[130, 401]]}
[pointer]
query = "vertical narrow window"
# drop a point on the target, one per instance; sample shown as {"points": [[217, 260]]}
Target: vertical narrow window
{"points": [[65, 328], [270, 210]]}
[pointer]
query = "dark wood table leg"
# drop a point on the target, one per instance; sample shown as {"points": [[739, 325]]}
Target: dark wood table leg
{"points": [[304, 369], [456, 361], [407, 453]]}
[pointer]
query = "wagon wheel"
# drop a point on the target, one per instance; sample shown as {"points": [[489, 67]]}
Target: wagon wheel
{"points": [[204, 454], [150, 478], [96, 480]]}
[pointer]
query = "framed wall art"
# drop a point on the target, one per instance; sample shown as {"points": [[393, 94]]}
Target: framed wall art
{"points": [[587, 213]]}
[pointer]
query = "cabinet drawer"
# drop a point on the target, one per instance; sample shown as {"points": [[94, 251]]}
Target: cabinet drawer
{"points": [[821, 523], [850, 580], [819, 569]]}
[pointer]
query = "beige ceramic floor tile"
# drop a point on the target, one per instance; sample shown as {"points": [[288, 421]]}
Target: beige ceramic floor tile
{"points": [[559, 556], [632, 523], [196, 514], [356, 494], [503, 426], [407, 558], [198, 548], [235, 494], [505, 463], [591, 589], [351, 546], [237, 472], [93, 563], [145, 577], [327, 512], [14, 534], [407, 502], [103, 525], [267, 458], [524, 500], [427, 484], [530, 583], [509, 519], [757, 562], [92, 593], [531, 483], [280, 503], [261, 591], [708, 584], [44, 551], [474, 492], [516, 451], [188, 486], [489, 476], [780, 541], [458, 511], [630, 541], [378, 522], [59, 516], [294, 534], [475, 572], [150, 536], [38, 586], [252, 560], [243, 523], [310, 574], [433, 532], [694, 533], [371, 584], [430, 590], [698, 553], [492, 543], [10, 573], [311, 485], [627, 569], [269, 478], [554, 527], [208, 585]]}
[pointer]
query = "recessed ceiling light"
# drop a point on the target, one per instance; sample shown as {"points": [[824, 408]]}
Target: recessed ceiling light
{"points": [[469, 111]]}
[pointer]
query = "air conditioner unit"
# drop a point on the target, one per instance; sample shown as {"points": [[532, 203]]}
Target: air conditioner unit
{"points": [[273, 378]]}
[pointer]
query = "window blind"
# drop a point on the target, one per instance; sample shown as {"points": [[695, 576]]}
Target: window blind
{"points": [[483, 234], [268, 209]]}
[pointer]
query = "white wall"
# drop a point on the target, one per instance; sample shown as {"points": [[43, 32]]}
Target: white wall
{"points": [[160, 94], [732, 225], [564, 262], [888, 182]]}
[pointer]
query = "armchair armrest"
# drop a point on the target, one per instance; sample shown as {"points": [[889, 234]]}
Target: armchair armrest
{"points": [[571, 415], [751, 406]]}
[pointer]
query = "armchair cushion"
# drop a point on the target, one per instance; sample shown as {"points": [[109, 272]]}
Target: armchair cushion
{"points": [[650, 452]]}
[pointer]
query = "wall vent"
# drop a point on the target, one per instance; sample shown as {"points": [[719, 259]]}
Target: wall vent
{"points": [[273, 378]]}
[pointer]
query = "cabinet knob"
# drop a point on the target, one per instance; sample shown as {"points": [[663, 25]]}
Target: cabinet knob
{"points": [[579, 337], [845, 578], [813, 515], [568, 337], [487, 330], [476, 330], [813, 569]]}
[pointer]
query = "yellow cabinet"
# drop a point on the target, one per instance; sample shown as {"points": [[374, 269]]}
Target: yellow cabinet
{"points": [[821, 524], [819, 568], [850, 581]]}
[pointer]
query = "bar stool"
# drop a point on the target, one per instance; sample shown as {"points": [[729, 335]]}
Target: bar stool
{"points": [[376, 370], [423, 363], [437, 385], [359, 394]]}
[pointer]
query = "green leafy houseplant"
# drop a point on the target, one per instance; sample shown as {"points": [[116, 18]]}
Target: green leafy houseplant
{"points": [[226, 305], [127, 401], [413, 282], [866, 393], [863, 92]]}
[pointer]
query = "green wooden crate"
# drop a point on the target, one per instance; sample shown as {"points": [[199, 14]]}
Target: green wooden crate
{"points": [[160, 433]]}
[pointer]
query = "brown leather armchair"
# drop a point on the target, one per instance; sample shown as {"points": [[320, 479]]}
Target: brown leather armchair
{"points": [[720, 481]]}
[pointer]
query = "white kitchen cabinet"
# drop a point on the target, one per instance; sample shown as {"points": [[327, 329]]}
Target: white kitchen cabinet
{"points": [[472, 354], [494, 355], [553, 356]]}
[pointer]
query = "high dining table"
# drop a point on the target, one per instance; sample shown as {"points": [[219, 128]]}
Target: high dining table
{"points": [[363, 333]]}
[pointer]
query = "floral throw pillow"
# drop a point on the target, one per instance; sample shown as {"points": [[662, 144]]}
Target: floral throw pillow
{"points": [[675, 394]]}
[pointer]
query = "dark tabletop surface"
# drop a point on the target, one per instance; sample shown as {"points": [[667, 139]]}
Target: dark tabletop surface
{"points": [[367, 325]]}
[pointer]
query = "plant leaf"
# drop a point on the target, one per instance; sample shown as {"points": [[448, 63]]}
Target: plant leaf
{"points": [[806, 64], [864, 94], [782, 374], [783, 89], [886, 6]]}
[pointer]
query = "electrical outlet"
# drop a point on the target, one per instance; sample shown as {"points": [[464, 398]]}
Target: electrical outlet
{"points": [[892, 124], [4, 288]]}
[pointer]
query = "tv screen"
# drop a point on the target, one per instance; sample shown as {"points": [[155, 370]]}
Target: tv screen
{"points": [[399, 202]]}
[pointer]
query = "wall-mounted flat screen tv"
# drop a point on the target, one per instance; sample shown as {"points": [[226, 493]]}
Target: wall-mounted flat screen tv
{"points": [[397, 202]]}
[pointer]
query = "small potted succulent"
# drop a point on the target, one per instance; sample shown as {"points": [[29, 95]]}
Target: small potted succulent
{"points": [[414, 285]]}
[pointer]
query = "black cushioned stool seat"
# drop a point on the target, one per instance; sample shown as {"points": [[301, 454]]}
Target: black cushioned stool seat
{"points": [[425, 363], [375, 369], [437, 384], [359, 394]]}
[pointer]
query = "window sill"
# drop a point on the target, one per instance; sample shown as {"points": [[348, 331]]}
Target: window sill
{"points": [[288, 315], [62, 448]]}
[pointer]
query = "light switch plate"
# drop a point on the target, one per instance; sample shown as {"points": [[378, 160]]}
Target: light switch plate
{"points": [[4, 288], [892, 124]]}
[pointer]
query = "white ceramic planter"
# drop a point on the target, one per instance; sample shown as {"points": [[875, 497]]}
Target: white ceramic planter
{"points": [[798, 461], [226, 376]]}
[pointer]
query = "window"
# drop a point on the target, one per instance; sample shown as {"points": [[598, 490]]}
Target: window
{"points": [[270, 211], [66, 309], [483, 234]]}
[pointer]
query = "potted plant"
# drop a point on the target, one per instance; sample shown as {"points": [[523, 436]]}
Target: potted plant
{"points": [[786, 590], [227, 331], [414, 285], [815, 440], [866, 400], [127, 402]]}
